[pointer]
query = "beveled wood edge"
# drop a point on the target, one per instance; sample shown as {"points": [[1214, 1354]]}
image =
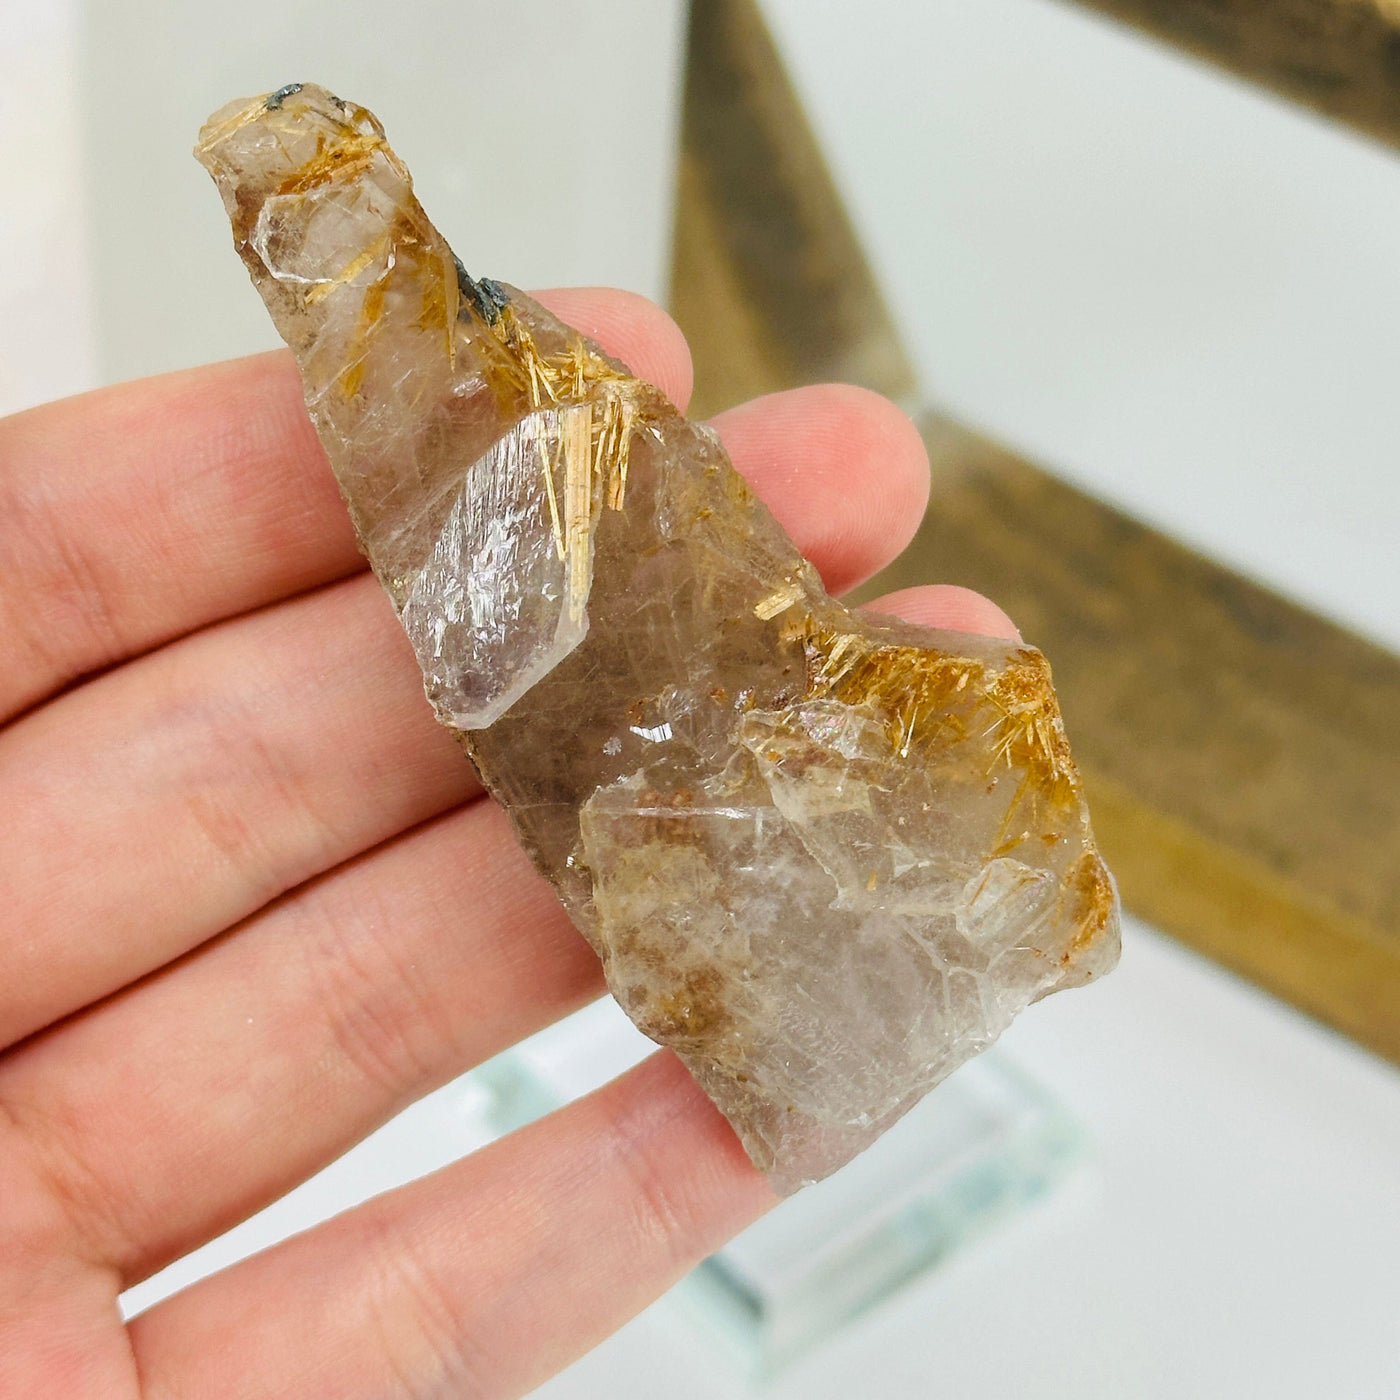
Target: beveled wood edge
{"points": [[1229, 905], [1339, 57]]}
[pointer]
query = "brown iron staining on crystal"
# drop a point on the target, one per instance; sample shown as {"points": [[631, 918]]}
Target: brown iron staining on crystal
{"points": [[824, 855]]}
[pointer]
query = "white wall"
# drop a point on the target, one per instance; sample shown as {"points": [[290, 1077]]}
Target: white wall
{"points": [[541, 137], [47, 339]]}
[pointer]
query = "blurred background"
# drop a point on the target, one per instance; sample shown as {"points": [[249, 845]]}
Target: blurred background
{"points": [[1108, 277]]}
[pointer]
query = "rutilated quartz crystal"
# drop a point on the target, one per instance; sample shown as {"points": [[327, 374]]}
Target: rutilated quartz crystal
{"points": [[825, 856]]}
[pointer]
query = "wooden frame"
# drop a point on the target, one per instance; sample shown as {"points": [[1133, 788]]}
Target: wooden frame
{"points": [[1340, 56], [1242, 755]]}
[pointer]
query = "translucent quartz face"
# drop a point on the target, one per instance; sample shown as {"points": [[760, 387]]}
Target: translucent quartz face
{"points": [[825, 856], [498, 605]]}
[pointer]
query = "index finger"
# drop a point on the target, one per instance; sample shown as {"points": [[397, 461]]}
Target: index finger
{"points": [[137, 513]]}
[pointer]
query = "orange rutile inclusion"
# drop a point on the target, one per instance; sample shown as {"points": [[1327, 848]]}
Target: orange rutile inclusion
{"points": [[826, 856]]}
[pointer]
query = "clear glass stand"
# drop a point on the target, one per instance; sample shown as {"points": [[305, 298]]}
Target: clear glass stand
{"points": [[984, 1143]]}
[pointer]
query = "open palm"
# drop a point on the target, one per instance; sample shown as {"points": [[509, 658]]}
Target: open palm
{"points": [[252, 903]]}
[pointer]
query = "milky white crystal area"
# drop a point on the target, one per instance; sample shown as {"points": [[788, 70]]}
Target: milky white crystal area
{"points": [[825, 856]]}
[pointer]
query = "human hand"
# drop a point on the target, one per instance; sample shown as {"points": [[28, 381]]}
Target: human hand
{"points": [[254, 903]]}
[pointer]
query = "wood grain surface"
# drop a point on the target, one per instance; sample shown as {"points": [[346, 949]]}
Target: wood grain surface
{"points": [[1340, 56]]}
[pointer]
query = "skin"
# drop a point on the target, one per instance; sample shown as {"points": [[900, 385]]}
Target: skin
{"points": [[252, 904]]}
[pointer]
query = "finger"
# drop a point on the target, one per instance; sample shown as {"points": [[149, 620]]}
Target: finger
{"points": [[842, 469], [949, 608], [635, 330], [136, 513], [56, 1311], [314, 1022], [268, 1053], [152, 808], [483, 1279], [162, 801]]}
